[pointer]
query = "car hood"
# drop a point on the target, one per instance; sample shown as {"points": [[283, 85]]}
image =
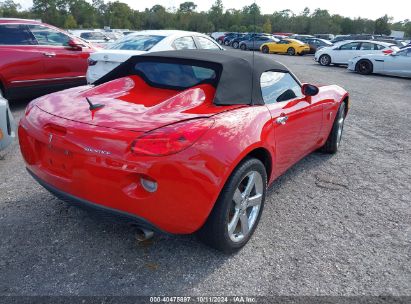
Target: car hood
{"points": [[114, 55], [130, 104]]}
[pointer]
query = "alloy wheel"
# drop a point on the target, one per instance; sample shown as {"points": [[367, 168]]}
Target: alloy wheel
{"points": [[340, 126], [325, 60], [245, 206]]}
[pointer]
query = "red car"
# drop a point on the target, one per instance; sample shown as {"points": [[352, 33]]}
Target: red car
{"points": [[181, 141], [37, 58]]}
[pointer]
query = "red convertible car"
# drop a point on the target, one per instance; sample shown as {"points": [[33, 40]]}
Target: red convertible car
{"points": [[181, 141]]}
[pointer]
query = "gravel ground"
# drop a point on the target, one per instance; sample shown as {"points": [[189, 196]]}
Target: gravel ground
{"points": [[332, 225]]}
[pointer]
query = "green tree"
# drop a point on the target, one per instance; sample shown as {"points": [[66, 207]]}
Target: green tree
{"points": [[187, 7], [267, 26], [9, 8], [70, 22], [382, 26], [216, 14]]}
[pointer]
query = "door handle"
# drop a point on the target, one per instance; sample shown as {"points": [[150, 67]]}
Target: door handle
{"points": [[282, 120], [49, 54]]}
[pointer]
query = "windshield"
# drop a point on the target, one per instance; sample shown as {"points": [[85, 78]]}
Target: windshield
{"points": [[136, 42]]}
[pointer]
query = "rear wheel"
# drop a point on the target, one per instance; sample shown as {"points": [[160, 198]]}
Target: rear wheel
{"points": [[243, 47], [291, 51], [324, 60], [235, 45], [226, 43], [364, 67], [265, 49], [334, 139], [238, 209]]}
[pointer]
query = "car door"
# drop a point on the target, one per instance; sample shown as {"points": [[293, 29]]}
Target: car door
{"points": [[345, 52], [282, 46], [398, 64], [297, 119], [21, 60], [62, 63]]}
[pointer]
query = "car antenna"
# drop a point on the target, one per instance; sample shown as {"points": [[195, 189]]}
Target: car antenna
{"points": [[95, 106], [254, 34]]}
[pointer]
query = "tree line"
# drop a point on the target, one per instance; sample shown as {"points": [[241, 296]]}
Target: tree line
{"points": [[70, 14]]}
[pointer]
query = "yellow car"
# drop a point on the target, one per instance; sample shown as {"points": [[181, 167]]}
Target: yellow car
{"points": [[287, 46]]}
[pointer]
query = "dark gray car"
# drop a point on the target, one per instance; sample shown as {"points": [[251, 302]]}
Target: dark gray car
{"points": [[255, 42]]}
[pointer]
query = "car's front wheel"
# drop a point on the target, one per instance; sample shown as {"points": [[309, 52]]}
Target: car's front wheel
{"points": [[243, 47], [364, 67], [238, 209], [324, 60], [235, 45]]}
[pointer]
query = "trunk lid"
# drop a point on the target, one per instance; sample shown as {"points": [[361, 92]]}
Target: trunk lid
{"points": [[118, 56], [130, 104]]}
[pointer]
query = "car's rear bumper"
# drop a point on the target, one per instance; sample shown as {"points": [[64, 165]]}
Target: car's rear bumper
{"points": [[188, 183], [104, 211]]}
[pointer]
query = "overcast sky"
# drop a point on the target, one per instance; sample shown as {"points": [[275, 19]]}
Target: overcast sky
{"points": [[400, 9]]}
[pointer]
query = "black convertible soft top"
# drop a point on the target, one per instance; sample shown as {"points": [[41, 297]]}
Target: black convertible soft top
{"points": [[240, 72]]}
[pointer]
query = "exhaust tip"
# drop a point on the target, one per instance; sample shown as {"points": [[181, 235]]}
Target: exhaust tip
{"points": [[143, 234]]}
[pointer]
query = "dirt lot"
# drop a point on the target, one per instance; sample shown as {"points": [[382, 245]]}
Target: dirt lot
{"points": [[332, 225]]}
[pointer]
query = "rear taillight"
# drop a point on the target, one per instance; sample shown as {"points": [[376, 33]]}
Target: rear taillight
{"points": [[388, 51], [91, 62], [172, 138]]}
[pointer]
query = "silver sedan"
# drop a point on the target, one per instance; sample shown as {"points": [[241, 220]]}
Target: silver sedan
{"points": [[255, 42]]}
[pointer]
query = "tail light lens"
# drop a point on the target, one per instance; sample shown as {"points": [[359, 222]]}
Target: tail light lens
{"points": [[388, 51], [172, 138], [91, 62]]}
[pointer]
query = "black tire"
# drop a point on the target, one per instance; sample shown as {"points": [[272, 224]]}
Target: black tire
{"points": [[324, 60], [214, 232], [220, 41], [243, 47], [291, 51], [265, 49], [226, 43], [334, 138], [364, 67], [235, 45]]}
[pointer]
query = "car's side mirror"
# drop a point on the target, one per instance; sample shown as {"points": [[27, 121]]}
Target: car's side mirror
{"points": [[309, 89], [75, 45]]}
